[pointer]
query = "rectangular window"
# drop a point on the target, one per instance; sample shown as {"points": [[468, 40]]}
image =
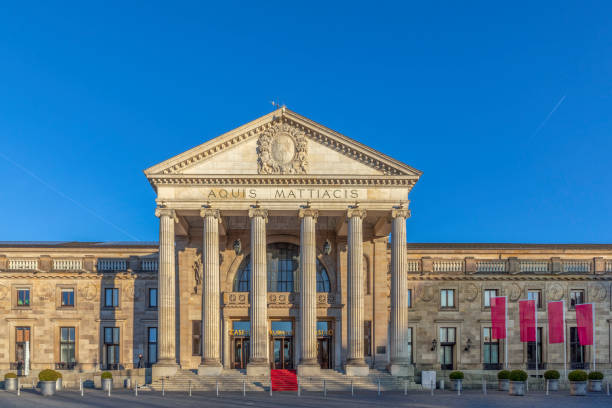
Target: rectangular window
{"points": [[409, 297], [152, 345], [153, 297], [577, 352], [531, 352], [447, 298], [490, 349], [23, 297], [576, 298], [67, 299], [111, 348], [409, 341], [111, 297], [535, 295], [488, 294], [367, 338], [447, 348], [67, 347], [22, 339], [196, 335]]}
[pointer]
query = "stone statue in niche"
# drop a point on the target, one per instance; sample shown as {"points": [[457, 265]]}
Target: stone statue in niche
{"points": [[197, 273]]}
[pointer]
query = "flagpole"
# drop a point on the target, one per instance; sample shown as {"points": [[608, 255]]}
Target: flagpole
{"points": [[594, 342], [564, 343], [536, 336], [506, 331]]}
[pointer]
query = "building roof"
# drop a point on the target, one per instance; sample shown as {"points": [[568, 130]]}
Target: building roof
{"points": [[78, 244]]}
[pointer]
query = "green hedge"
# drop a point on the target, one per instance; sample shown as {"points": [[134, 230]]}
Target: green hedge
{"points": [[456, 375], [552, 375], [503, 375], [107, 376], [48, 375], [10, 375], [596, 375], [577, 375], [518, 375]]}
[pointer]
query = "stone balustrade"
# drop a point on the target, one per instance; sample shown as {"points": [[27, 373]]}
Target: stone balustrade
{"points": [[609, 266], [491, 266], [149, 264], [576, 266], [413, 265], [106, 264], [74, 264], [448, 265], [534, 265], [17, 264]]}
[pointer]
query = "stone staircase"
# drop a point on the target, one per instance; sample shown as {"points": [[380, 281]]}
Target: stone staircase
{"points": [[235, 380]]}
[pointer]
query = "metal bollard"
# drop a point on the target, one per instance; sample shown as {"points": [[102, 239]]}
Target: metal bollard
{"points": [[244, 388], [433, 386], [324, 389], [136, 389], [217, 386], [405, 387], [270, 386], [163, 388], [81, 384], [352, 389], [546, 387], [299, 387], [459, 388], [109, 390], [484, 386], [527, 385], [379, 387], [18, 387], [608, 387], [190, 388]]}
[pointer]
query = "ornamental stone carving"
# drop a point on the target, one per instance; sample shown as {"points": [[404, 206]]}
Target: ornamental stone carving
{"points": [[555, 292], [128, 292], [424, 292], [197, 273], [514, 292], [470, 291], [598, 292], [45, 292], [88, 292], [282, 149], [4, 291]]}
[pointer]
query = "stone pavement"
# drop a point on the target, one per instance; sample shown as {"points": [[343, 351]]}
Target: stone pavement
{"points": [[471, 399]]}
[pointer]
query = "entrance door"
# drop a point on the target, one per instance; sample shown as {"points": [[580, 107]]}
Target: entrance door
{"points": [[22, 339], [241, 352], [282, 353], [324, 353]]}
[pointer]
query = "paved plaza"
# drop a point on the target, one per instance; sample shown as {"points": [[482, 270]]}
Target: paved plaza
{"points": [[471, 398]]}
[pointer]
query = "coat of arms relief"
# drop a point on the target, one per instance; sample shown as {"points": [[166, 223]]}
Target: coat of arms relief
{"points": [[282, 149]]}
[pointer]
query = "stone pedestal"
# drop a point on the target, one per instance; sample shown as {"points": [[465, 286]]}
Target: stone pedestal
{"points": [[309, 370], [401, 370], [357, 370], [210, 369]]}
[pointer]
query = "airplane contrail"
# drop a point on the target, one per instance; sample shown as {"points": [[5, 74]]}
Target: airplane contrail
{"points": [[548, 116], [50, 187]]}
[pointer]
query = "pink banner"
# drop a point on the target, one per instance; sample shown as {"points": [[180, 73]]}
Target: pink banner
{"points": [[527, 315], [556, 325], [584, 320], [498, 318]]}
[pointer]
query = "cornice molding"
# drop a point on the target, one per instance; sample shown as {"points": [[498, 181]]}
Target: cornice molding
{"points": [[279, 180], [505, 277]]}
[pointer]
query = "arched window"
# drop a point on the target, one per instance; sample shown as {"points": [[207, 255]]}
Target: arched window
{"points": [[283, 263]]}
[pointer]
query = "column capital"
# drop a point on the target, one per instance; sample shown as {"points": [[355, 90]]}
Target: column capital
{"points": [[166, 212], [308, 212], [400, 212], [210, 212], [355, 211], [258, 212]]}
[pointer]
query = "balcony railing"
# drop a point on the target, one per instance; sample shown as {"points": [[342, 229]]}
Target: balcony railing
{"points": [[23, 263], [576, 266], [537, 266], [112, 264], [150, 265], [491, 266], [608, 266], [448, 265], [67, 264], [65, 366], [413, 265]]}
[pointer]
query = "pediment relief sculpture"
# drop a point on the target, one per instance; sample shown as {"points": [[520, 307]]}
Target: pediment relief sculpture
{"points": [[282, 149]]}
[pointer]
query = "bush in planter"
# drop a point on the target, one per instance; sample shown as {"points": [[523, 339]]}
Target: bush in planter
{"points": [[48, 375], [503, 375], [10, 375], [552, 375], [107, 376], [518, 375], [596, 375], [456, 375], [577, 376]]}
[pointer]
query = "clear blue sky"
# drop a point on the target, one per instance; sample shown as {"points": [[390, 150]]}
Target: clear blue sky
{"points": [[507, 109]]}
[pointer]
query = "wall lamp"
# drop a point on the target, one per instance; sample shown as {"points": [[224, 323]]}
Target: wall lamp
{"points": [[468, 345], [434, 344]]}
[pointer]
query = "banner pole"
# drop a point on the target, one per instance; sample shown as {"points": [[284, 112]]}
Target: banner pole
{"points": [[506, 331], [594, 342], [536, 343], [564, 342]]}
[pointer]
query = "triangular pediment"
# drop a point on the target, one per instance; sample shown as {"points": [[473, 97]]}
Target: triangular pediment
{"points": [[282, 144]]}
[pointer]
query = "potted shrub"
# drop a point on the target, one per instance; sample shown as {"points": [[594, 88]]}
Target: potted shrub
{"points": [[456, 378], [578, 382], [48, 379], [107, 381], [10, 382], [552, 376], [58, 383], [517, 382], [595, 378], [503, 380]]}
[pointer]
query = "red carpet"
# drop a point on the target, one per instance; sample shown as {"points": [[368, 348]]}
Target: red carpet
{"points": [[284, 380]]}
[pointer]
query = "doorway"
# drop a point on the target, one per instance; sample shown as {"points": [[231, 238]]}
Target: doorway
{"points": [[240, 357], [282, 353], [324, 344]]}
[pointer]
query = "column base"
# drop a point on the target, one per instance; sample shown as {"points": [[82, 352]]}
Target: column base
{"points": [[308, 370], [164, 369], [401, 370], [357, 369], [210, 369], [258, 369]]}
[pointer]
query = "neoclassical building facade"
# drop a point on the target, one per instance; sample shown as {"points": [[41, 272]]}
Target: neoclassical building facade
{"points": [[283, 245]]}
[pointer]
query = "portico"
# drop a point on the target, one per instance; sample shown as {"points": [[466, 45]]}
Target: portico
{"points": [[268, 224]]}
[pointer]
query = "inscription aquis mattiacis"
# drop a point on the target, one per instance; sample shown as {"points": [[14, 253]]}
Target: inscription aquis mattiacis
{"points": [[284, 194]]}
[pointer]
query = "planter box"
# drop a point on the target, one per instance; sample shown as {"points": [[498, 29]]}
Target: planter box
{"points": [[517, 388], [578, 387], [553, 385], [10, 384], [503, 385], [106, 384], [47, 388], [595, 385]]}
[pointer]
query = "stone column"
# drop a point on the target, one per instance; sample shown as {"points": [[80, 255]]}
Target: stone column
{"points": [[400, 359], [355, 364], [308, 293], [166, 286], [259, 363], [211, 311]]}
